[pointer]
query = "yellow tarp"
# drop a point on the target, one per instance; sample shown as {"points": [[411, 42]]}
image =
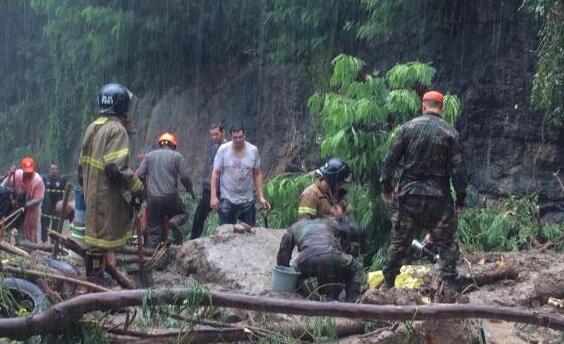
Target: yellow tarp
{"points": [[410, 276]]}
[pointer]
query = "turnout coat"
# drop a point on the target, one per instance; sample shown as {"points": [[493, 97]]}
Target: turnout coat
{"points": [[108, 183]]}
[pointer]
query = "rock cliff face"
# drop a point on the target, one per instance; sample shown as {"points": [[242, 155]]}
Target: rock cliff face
{"points": [[269, 101], [484, 51]]}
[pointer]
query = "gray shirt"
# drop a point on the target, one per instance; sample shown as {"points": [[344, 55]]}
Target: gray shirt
{"points": [[163, 167], [236, 180], [210, 155]]}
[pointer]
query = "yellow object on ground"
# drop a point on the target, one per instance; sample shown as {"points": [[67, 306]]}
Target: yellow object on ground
{"points": [[410, 277]]}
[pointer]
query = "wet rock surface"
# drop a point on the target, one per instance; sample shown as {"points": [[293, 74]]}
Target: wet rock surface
{"points": [[240, 262]]}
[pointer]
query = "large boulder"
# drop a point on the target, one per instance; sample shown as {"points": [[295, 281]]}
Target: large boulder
{"points": [[239, 262]]}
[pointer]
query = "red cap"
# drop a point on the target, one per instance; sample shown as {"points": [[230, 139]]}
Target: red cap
{"points": [[433, 95], [28, 164]]}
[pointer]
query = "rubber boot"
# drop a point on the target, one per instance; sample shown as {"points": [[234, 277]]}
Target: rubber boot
{"points": [[448, 291], [389, 281], [95, 264], [353, 292]]}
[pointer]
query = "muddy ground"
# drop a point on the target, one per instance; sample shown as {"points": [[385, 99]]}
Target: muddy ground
{"points": [[243, 263]]}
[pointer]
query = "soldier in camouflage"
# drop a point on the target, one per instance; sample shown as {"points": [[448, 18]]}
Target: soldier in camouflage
{"points": [[322, 254], [427, 151]]}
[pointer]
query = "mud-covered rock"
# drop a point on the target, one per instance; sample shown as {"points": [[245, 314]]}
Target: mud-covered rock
{"points": [[241, 262]]}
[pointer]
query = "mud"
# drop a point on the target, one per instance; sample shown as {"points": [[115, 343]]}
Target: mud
{"points": [[243, 263], [392, 296]]}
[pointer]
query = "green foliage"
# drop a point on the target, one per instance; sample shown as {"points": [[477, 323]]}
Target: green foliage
{"points": [[548, 83], [85, 332], [359, 121], [514, 226], [384, 17], [408, 75], [283, 191], [306, 31], [191, 204]]}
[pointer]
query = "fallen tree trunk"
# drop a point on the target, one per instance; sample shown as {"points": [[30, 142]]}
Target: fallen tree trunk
{"points": [[69, 243], [64, 314], [208, 334], [200, 335], [13, 249], [32, 246], [43, 274], [489, 277], [75, 246], [120, 277]]}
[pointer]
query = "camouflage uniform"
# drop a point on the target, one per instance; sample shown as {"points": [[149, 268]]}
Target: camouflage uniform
{"points": [[320, 255], [314, 202], [429, 152]]}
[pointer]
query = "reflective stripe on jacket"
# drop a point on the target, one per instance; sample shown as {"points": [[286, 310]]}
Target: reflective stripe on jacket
{"points": [[108, 212]]}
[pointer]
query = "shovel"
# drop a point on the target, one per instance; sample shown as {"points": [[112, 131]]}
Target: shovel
{"points": [[144, 276]]}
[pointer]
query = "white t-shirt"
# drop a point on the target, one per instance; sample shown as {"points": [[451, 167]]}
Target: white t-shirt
{"points": [[236, 180]]}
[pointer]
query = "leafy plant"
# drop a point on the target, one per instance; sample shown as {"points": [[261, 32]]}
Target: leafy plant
{"points": [[514, 225], [359, 117], [548, 81]]}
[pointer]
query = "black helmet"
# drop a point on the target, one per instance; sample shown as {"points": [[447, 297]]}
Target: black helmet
{"points": [[335, 171], [113, 100]]}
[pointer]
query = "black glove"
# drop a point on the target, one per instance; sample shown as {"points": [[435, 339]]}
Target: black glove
{"points": [[115, 178], [137, 199]]}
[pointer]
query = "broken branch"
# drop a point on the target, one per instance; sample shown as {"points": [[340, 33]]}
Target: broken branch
{"points": [[66, 313]]}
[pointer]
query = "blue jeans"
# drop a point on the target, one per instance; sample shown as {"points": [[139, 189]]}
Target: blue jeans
{"points": [[229, 212]]}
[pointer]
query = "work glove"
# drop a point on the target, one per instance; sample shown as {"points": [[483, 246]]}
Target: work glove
{"points": [[137, 199], [114, 176]]}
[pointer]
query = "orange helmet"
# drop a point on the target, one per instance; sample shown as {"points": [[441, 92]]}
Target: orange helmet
{"points": [[167, 138], [28, 164]]}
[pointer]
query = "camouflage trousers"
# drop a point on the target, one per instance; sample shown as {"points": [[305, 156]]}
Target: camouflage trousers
{"points": [[332, 270], [415, 215]]}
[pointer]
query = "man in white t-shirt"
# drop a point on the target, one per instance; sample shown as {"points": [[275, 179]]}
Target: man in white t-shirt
{"points": [[236, 165]]}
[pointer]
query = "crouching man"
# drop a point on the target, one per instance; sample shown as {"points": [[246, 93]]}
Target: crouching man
{"points": [[322, 253]]}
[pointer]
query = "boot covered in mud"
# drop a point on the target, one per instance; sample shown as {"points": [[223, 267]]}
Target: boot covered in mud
{"points": [[448, 291], [95, 265], [389, 281]]}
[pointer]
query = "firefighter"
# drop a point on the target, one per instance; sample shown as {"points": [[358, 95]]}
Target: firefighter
{"points": [[161, 169], [326, 196], [110, 186]]}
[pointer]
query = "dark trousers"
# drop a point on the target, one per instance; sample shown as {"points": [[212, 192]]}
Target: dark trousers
{"points": [[332, 270], [48, 221], [164, 212], [414, 214], [201, 214], [229, 212]]}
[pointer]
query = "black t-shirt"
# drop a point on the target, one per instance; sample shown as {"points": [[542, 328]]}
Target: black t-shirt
{"points": [[54, 188]]}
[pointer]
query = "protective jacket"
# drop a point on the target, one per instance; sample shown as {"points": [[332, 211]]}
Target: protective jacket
{"points": [[108, 183], [315, 203], [429, 154]]}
